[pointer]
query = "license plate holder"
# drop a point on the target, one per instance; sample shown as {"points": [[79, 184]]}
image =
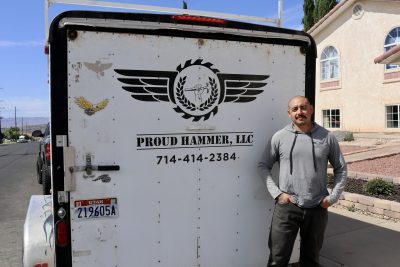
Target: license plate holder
{"points": [[95, 208]]}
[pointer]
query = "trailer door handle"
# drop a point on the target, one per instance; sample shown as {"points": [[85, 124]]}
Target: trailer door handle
{"points": [[89, 168], [108, 168]]}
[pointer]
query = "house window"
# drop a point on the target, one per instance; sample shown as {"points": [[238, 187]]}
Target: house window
{"points": [[358, 11], [331, 118], [329, 63], [392, 39], [392, 116]]}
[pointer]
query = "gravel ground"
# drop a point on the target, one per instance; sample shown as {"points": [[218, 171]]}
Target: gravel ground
{"points": [[380, 166], [387, 166]]}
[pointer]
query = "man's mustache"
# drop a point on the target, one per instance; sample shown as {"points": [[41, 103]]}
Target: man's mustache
{"points": [[301, 116]]}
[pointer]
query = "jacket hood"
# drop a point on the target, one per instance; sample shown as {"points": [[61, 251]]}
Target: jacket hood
{"points": [[291, 128]]}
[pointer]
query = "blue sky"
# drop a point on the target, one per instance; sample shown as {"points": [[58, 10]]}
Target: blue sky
{"points": [[23, 67]]}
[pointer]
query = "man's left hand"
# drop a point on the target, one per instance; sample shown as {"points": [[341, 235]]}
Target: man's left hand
{"points": [[324, 203]]}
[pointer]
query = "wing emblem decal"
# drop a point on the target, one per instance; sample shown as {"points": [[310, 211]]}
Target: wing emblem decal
{"points": [[196, 87], [88, 107]]}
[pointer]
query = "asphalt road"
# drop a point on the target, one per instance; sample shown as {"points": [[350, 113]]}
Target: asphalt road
{"points": [[17, 183]]}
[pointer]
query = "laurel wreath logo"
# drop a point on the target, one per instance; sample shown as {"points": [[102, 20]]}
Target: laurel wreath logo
{"points": [[181, 96], [213, 96], [189, 106]]}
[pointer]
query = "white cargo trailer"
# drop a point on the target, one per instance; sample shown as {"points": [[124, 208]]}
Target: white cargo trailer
{"points": [[157, 125]]}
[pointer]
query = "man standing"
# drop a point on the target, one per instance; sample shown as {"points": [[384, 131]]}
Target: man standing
{"points": [[302, 150]]}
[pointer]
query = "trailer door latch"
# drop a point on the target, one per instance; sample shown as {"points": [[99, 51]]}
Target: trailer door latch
{"points": [[89, 168]]}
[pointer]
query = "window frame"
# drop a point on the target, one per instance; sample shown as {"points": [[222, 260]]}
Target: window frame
{"points": [[333, 113], [329, 60], [398, 116], [388, 46]]}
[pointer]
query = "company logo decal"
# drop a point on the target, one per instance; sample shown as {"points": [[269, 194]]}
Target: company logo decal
{"points": [[196, 88], [88, 107]]}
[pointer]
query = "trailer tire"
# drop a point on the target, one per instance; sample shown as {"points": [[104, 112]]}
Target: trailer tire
{"points": [[46, 180]]}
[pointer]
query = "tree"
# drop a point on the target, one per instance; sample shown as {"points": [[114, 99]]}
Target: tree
{"points": [[308, 19], [12, 133], [322, 7]]}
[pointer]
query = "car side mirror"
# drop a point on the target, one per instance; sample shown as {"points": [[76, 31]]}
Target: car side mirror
{"points": [[37, 133]]}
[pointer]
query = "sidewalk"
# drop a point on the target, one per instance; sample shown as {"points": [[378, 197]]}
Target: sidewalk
{"points": [[376, 152], [357, 240]]}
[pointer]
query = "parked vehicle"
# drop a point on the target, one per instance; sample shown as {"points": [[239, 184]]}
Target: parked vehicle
{"points": [[22, 139], [157, 123], [43, 167]]}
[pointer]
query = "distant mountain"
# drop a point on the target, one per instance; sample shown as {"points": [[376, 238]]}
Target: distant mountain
{"points": [[28, 121]]}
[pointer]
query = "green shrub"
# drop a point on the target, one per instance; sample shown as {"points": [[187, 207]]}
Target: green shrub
{"points": [[351, 208], [331, 179], [348, 137], [379, 187]]}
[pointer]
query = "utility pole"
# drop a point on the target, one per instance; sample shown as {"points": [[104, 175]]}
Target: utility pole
{"points": [[15, 117]]}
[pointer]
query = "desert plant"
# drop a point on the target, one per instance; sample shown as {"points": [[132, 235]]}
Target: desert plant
{"points": [[351, 208], [378, 186], [331, 179], [348, 137]]}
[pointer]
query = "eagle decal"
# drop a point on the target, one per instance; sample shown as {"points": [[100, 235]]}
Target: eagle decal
{"points": [[88, 107], [196, 88]]}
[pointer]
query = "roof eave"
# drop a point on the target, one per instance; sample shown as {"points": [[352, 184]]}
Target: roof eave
{"points": [[330, 17], [391, 56]]}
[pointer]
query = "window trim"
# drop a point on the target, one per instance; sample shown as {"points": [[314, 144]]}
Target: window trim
{"points": [[330, 118], [391, 45], [357, 16], [335, 81], [398, 116]]}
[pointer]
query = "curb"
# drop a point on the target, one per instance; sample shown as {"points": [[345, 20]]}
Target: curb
{"points": [[349, 161], [360, 151], [369, 176]]}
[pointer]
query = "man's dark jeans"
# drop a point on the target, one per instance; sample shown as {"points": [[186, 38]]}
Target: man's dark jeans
{"points": [[286, 222]]}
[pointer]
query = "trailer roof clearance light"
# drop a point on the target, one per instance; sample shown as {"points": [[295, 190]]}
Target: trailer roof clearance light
{"points": [[61, 233], [46, 49], [200, 20], [41, 265]]}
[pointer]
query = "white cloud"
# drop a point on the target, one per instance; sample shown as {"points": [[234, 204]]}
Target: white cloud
{"points": [[4, 43], [26, 107]]}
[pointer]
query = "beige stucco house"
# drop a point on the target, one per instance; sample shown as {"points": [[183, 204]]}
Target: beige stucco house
{"points": [[354, 92]]}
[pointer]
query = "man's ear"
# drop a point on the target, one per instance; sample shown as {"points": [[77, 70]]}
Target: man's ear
{"points": [[312, 109]]}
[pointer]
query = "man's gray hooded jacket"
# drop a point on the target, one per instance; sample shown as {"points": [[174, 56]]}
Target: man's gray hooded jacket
{"points": [[303, 160]]}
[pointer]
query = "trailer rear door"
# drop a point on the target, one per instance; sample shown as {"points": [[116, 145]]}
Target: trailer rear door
{"points": [[175, 118]]}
